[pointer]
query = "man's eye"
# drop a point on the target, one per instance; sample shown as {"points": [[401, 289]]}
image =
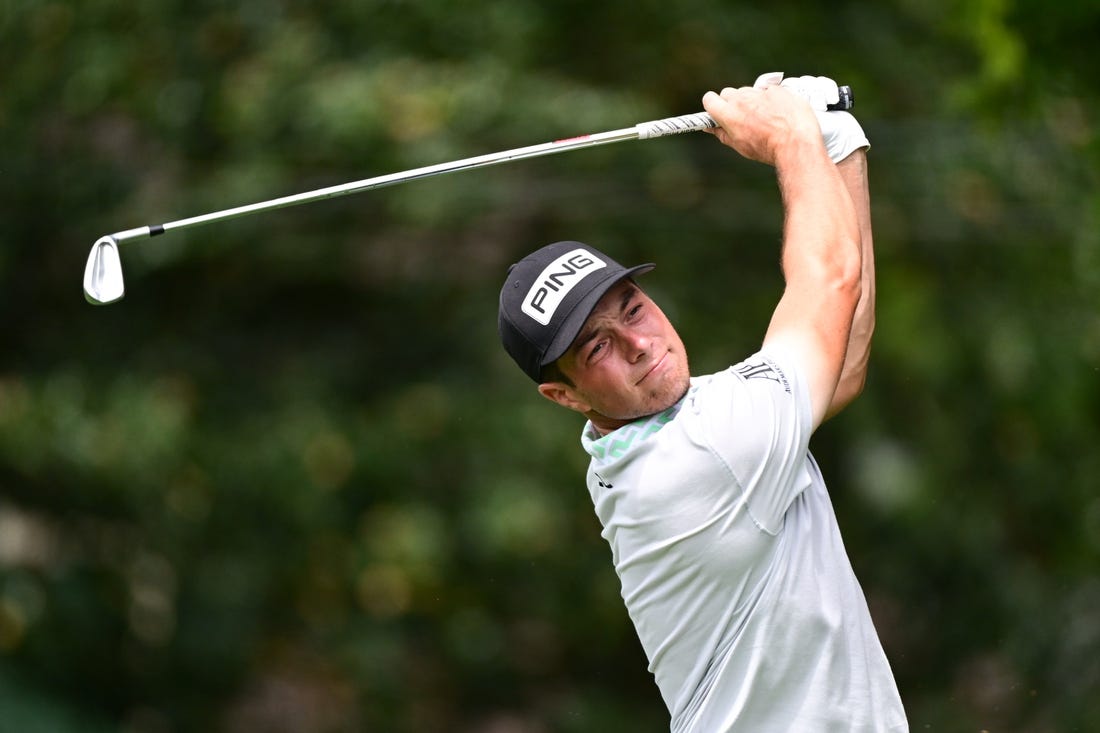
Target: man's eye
{"points": [[634, 310], [595, 350]]}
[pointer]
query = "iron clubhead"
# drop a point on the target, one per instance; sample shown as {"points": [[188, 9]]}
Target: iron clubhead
{"points": [[103, 273]]}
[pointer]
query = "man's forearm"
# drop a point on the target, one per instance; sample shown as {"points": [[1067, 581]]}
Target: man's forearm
{"points": [[819, 223], [853, 171]]}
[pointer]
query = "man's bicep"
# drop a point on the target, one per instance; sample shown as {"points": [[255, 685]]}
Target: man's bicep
{"points": [[813, 334]]}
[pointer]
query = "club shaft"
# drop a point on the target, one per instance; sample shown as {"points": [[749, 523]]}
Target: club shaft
{"points": [[480, 161]]}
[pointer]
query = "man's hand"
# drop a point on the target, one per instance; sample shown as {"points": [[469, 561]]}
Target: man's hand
{"points": [[839, 130], [763, 123]]}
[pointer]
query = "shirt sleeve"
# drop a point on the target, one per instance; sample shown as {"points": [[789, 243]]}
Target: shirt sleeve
{"points": [[758, 421]]}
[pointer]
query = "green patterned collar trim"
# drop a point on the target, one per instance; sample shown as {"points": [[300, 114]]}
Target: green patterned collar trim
{"points": [[615, 444]]}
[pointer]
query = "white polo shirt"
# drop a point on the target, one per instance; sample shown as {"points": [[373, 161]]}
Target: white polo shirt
{"points": [[731, 562]]}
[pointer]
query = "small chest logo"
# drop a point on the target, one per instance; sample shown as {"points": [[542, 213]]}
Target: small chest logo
{"points": [[555, 282]]}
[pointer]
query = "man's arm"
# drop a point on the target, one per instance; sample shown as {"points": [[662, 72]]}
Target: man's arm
{"points": [[853, 171], [821, 241]]}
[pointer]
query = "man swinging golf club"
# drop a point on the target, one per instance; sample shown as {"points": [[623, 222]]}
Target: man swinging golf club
{"points": [[720, 526]]}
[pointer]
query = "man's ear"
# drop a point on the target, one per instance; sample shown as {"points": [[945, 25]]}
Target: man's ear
{"points": [[564, 395]]}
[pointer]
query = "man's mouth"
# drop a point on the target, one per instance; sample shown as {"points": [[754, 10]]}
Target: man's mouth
{"points": [[657, 367]]}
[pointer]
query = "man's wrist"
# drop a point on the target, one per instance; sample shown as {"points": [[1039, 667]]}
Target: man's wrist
{"points": [[801, 154]]}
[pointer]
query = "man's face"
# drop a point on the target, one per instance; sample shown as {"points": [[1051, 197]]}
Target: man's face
{"points": [[627, 362]]}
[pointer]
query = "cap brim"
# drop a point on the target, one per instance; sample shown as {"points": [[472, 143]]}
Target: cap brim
{"points": [[576, 318]]}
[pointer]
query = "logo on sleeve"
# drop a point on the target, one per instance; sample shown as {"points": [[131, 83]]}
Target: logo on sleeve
{"points": [[764, 370], [555, 282]]}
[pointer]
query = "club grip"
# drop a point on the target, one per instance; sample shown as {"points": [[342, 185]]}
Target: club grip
{"points": [[675, 125], [846, 102], [702, 121]]}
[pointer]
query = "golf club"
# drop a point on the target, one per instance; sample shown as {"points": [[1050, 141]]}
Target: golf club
{"points": [[103, 282]]}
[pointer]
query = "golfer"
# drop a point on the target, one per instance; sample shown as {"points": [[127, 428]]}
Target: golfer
{"points": [[720, 526]]}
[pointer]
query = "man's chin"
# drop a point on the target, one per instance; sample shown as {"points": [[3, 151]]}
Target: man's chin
{"points": [[667, 394]]}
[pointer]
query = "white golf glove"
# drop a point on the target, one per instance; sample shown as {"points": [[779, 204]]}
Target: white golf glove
{"points": [[839, 130]]}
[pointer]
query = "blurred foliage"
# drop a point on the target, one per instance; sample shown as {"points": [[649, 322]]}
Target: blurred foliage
{"points": [[292, 483]]}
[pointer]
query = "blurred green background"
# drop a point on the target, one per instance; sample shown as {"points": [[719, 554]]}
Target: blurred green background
{"points": [[292, 483]]}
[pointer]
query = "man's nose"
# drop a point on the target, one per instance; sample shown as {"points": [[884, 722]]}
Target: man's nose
{"points": [[637, 344]]}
